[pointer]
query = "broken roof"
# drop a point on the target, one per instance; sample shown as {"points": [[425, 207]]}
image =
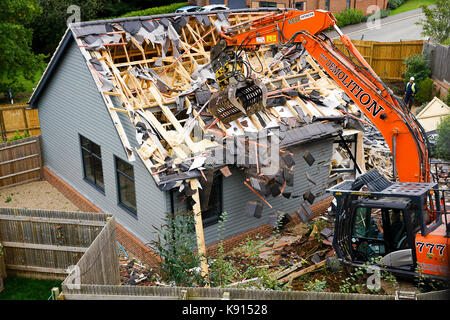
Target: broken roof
{"points": [[157, 71]]}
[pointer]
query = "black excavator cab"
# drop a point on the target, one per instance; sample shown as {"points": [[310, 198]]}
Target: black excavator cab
{"points": [[377, 220]]}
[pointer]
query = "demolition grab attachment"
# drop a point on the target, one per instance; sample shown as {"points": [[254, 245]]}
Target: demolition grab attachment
{"points": [[239, 94], [233, 102]]}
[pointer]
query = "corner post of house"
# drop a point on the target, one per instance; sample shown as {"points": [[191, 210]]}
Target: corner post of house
{"points": [[199, 228]]}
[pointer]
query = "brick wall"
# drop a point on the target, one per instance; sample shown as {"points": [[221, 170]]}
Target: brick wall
{"points": [[364, 4], [137, 247]]}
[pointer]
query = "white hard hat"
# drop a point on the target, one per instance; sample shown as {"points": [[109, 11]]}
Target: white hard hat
{"points": [[412, 78]]}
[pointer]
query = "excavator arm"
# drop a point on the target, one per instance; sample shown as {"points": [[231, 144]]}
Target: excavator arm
{"points": [[401, 131]]}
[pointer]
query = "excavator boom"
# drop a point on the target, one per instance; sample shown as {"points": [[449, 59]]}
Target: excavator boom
{"points": [[401, 131]]}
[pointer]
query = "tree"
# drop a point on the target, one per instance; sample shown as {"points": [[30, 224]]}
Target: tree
{"points": [[49, 29], [417, 67], [17, 61], [51, 26], [436, 24]]}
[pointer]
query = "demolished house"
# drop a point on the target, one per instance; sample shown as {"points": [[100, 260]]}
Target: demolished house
{"points": [[134, 118]]}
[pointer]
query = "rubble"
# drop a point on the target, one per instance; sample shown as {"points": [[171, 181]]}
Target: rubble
{"points": [[377, 154], [134, 273]]}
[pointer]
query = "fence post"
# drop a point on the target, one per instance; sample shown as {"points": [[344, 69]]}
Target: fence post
{"points": [[41, 160], [2, 267], [2, 126], [24, 114]]}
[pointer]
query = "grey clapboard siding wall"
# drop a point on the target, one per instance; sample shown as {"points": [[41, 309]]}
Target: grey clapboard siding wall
{"points": [[236, 194], [71, 106]]}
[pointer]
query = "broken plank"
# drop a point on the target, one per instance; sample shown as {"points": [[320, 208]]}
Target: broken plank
{"points": [[302, 272]]}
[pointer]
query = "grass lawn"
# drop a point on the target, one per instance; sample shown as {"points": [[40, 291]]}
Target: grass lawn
{"points": [[411, 5], [17, 288]]}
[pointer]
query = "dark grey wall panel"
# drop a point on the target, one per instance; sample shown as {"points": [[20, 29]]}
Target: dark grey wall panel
{"points": [[71, 105], [236, 194]]}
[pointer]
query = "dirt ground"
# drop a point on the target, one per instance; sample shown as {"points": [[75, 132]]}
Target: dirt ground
{"points": [[35, 195]]}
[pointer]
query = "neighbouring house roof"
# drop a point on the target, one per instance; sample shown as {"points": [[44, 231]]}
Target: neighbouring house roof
{"points": [[157, 71], [432, 114]]}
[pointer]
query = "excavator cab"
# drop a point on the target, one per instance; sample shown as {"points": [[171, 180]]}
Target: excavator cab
{"points": [[402, 226], [380, 229]]}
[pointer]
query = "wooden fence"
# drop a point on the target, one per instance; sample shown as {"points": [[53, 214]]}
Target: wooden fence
{"points": [[20, 117], [386, 58], [439, 57], [20, 161], [109, 292], [43, 244], [100, 263]]}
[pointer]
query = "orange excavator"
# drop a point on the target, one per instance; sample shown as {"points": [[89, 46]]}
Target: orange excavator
{"points": [[405, 223]]}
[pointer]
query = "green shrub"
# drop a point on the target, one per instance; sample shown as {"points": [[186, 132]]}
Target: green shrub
{"points": [[175, 245], [424, 92], [156, 10], [393, 4], [384, 13], [417, 67], [349, 16], [316, 286], [443, 141], [18, 136], [447, 100]]}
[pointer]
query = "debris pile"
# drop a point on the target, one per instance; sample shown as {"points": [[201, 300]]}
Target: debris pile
{"points": [[296, 251], [377, 154], [134, 273]]}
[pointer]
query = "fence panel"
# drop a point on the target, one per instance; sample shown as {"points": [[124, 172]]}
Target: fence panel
{"points": [[386, 58], [102, 292], [439, 61], [20, 161], [43, 244], [114, 292], [20, 117], [100, 263]]}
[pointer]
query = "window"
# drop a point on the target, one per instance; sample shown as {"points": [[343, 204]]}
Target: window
{"points": [[378, 232], [125, 185], [367, 240], [348, 4], [266, 4], [300, 5], [212, 207], [92, 163], [327, 5], [211, 201]]}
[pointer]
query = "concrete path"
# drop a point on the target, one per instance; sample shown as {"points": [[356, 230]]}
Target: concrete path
{"points": [[399, 27]]}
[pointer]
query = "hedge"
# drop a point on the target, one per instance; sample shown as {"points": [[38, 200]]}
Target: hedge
{"points": [[349, 16], [393, 4], [156, 10]]}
